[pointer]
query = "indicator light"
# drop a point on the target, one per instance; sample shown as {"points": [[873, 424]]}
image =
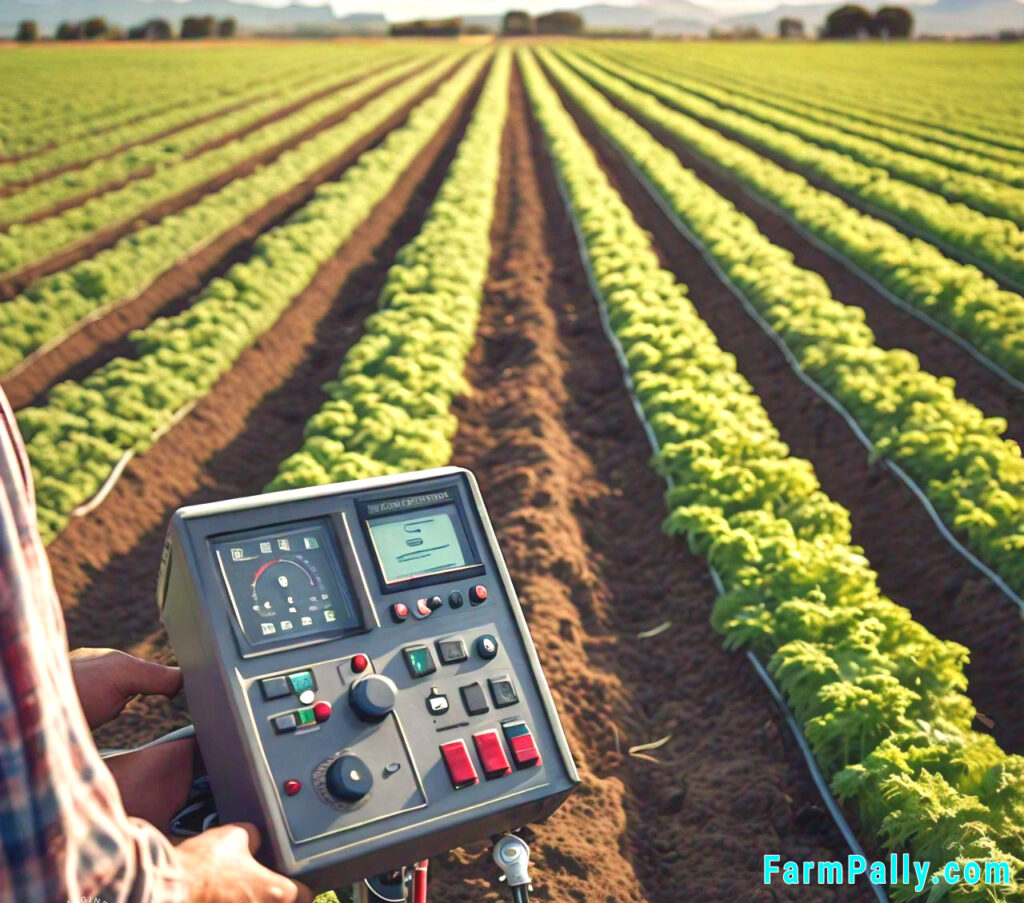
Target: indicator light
{"points": [[291, 787], [360, 663], [321, 712]]}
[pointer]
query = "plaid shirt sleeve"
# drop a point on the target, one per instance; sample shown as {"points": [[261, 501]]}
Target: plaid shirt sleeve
{"points": [[65, 834]]}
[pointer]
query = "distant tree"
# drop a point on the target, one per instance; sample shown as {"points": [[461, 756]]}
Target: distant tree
{"points": [[791, 28], [517, 22], [847, 22], [892, 22], [198, 26], [158, 30], [559, 22], [94, 27], [477, 29], [114, 33], [736, 33], [227, 28], [28, 30], [69, 31], [427, 28]]}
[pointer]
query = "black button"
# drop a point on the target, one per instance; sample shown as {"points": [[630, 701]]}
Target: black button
{"points": [[275, 687], [451, 651], [434, 603], [285, 724], [473, 699], [503, 692], [419, 660], [487, 647], [455, 599]]}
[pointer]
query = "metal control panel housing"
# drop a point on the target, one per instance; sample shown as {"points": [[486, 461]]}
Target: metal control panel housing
{"points": [[360, 674]]}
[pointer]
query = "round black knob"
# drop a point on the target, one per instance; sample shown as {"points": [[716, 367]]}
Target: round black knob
{"points": [[348, 779], [373, 697]]}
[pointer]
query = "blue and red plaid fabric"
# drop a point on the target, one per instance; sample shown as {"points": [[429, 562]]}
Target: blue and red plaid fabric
{"points": [[66, 836]]}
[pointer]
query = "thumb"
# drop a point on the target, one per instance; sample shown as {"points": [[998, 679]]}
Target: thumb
{"points": [[252, 834], [136, 675]]}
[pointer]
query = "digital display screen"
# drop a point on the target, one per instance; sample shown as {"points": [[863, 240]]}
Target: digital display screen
{"points": [[286, 583], [415, 544]]}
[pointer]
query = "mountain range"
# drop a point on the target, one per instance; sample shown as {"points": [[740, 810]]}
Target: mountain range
{"points": [[663, 17]]}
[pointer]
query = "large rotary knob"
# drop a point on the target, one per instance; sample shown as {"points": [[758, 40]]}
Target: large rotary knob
{"points": [[348, 779], [373, 697]]}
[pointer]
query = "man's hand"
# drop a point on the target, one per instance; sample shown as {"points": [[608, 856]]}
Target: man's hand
{"points": [[107, 680], [220, 867], [154, 782]]}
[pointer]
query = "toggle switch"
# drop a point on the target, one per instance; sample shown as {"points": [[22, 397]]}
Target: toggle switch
{"points": [[459, 765], [521, 744], [492, 754]]}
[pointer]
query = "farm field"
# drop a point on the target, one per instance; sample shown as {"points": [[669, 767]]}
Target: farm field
{"points": [[732, 337]]}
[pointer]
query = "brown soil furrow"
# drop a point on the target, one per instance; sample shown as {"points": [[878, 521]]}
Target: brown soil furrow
{"points": [[230, 445], [564, 467], [260, 94], [103, 339], [79, 199], [893, 327], [96, 241], [917, 566]]}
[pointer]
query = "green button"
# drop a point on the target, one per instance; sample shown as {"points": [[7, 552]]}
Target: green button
{"points": [[301, 681], [419, 660], [306, 716]]}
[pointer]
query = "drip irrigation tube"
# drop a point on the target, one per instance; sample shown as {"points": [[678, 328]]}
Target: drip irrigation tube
{"points": [[819, 390], [862, 274], [819, 780]]}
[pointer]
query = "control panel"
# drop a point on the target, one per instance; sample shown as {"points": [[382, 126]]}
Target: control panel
{"points": [[360, 675]]}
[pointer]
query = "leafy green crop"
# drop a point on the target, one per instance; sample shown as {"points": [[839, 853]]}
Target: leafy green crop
{"points": [[77, 437], [389, 408], [881, 699]]}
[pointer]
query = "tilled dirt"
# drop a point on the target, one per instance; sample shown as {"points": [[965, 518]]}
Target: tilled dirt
{"points": [[917, 566], [103, 339], [105, 564], [91, 244], [564, 467]]}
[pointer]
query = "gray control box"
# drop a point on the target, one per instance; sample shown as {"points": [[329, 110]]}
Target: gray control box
{"points": [[361, 677]]}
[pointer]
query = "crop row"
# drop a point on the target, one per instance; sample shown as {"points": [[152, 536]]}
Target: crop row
{"points": [[974, 477], [77, 439], [978, 192], [82, 151], [54, 97], [880, 698], [161, 153], [388, 411], [56, 304], [996, 244], [956, 295], [25, 244], [808, 112], [918, 113], [164, 153]]}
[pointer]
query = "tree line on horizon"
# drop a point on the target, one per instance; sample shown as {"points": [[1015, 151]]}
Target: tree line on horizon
{"points": [[845, 22]]}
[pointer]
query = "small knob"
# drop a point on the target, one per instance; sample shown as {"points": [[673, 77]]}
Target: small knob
{"points": [[373, 697], [349, 779]]}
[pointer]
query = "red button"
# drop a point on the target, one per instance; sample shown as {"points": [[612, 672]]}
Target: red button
{"points": [[460, 766], [492, 754], [321, 711], [423, 608], [292, 787], [524, 751], [360, 663], [478, 594], [399, 611]]}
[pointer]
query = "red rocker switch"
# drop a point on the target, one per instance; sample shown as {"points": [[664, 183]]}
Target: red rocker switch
{"points": [[492, 754], [460, 766], [521, 743]]}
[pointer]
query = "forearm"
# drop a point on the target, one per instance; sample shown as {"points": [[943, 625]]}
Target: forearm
{"points": [[150, 871]]}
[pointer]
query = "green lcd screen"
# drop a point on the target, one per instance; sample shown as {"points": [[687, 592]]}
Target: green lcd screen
{"points": [[413, 545]]}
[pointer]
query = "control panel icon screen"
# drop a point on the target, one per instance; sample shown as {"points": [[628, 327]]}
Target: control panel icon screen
{"points": [[285, 583], [415, 544]]}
